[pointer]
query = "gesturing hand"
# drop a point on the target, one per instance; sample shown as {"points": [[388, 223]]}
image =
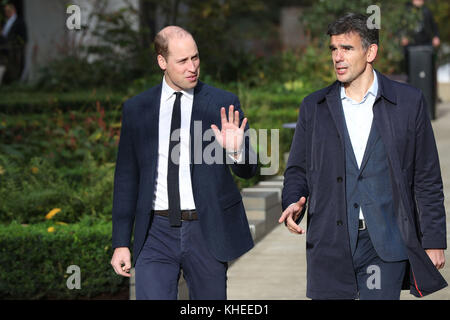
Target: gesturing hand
{"points": [[291, 214], [231, 136]]}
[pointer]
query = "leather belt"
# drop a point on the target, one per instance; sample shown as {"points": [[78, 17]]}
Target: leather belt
{"points": [[362, 224], [186, 215]]}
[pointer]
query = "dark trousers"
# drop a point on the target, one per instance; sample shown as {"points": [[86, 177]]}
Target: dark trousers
{"points": [[377, 279], [167, 250]]}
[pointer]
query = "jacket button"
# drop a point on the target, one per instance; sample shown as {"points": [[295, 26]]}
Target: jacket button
{"points": [[355, 205], [339, 223], [339, 179], [360, 177]]}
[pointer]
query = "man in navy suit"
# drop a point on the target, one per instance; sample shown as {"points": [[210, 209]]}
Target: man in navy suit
{"points": [[364, 157], [174, 184]]}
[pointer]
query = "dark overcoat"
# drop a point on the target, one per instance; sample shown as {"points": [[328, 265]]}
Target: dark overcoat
{"points": [[316, 170], [217, 199]]}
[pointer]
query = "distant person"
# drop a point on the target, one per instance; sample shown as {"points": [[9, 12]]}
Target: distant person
{"points": [[365, 160], [425, 30], [13, 37], [422, 32]]}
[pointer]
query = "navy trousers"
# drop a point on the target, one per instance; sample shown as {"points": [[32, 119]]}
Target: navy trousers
{"points": [[166, 251], [377, 279]]}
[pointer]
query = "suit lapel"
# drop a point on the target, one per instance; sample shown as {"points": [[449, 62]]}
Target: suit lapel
{"points": [[199, 105], [371, 142], [348, 144], [151, 115]]}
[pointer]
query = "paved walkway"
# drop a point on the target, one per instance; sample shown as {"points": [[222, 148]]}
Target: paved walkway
{"points": [[275, 269]]}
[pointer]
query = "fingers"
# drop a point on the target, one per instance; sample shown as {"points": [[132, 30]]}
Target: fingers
{"points": [[439, 262], [122, 266], [288, 212], [301, 205], [121, 270], [215, 130], [244, 123], [223, 116], [437, 257], [293, 227], [302, 202], [231, 114], [233, 117], [291, 214]]}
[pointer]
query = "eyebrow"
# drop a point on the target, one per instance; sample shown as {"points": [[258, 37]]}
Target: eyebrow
{"points": [[344, 46], [184, 59]]}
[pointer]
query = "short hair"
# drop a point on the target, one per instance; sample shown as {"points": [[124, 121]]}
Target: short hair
{"points": [[162, 38], [355, 22]]}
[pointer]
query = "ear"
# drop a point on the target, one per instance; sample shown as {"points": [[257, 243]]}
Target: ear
{"points": [[162, 62], [372, 52]]}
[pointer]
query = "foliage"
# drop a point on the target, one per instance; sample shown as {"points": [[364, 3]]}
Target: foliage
{"points": [[34, 260], [390, 55], [394, 21], [23, 101], [117, 57], [62, 160], [233, 39]]}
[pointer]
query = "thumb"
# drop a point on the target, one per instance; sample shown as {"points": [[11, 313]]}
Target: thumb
{"points": [[216, 131], [302, 202]]}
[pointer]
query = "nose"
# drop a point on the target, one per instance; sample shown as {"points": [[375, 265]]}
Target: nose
{"points": [[191, 66], [338, 56]]}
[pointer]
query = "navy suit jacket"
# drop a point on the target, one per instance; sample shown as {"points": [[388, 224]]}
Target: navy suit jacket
{"points": [[316, 170], [217, 199]]}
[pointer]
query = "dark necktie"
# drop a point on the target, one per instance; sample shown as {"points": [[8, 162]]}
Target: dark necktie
{"points": [[173, 189]]}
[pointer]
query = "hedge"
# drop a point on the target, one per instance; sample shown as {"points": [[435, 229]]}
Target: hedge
{"points": [[34, 260], [42, 102]]}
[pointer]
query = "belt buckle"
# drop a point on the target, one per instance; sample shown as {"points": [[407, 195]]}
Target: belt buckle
{"points": [[187, 215], [363, 227]]}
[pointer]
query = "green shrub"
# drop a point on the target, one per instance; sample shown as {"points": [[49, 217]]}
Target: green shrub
{"points": [[29, 192], [34, 261], [28, 101]]}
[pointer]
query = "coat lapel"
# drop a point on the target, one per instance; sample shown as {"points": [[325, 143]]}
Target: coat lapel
{"points": [[335, 107], [382, 118]]}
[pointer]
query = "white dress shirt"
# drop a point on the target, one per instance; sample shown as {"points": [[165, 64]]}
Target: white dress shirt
{"points": [[8, 25], [165, 117], [358, 117]]}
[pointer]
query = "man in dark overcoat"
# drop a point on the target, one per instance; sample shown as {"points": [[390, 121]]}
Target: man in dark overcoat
{"points": [[364, 160]]}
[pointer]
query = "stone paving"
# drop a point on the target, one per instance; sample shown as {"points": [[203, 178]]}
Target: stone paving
{"points": [[275, 269]]}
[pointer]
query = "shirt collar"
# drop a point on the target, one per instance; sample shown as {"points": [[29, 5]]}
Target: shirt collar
{"points": [[373, 90], [167, 92]]}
